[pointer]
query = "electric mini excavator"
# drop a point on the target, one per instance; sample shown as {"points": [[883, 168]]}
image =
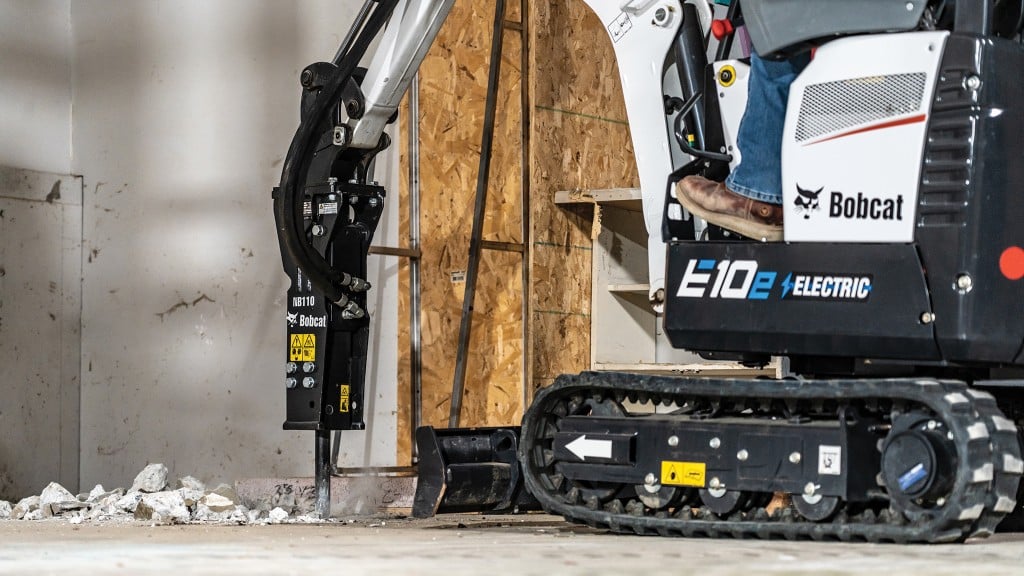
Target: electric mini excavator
{"points": [[895, 302]]}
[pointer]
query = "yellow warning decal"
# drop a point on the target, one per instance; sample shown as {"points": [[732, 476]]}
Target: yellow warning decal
{"points": [[683, 473], [343, 402], [302, 348]]}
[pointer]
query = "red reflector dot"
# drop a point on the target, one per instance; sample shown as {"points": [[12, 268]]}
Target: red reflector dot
{"points": [[1011, 263]]}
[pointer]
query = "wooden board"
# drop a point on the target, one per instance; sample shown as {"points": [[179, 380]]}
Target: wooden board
{"points": [[453, 90], [579, 141]]}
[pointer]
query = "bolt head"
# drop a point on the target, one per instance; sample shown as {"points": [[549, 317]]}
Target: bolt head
{"points": [[290, 383], [810, 489], [308, 382], [932, 424], [964, 283], [715, 443], [308, 367], [673, 441], [742, 455], [927, 318], [290, 368], [715, 483], [795, 457], [649, 479], [972, 82], [910, 6], [318, 230]]}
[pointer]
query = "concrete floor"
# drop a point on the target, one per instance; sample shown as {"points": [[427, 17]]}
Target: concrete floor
{"points": [[457, 545]]}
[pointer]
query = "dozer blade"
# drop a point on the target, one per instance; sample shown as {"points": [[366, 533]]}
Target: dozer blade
{"points": [[469, 470]]}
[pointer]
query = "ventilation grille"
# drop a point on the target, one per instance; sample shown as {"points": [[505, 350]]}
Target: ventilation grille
{"points": [[836, 106]]}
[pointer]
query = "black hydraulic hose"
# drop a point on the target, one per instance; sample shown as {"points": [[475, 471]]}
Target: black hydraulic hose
{"points": [[288, 204], [346, 44]]}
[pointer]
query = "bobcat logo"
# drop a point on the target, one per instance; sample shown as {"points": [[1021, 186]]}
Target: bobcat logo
{"points": [[807, 201], [292, 318]]}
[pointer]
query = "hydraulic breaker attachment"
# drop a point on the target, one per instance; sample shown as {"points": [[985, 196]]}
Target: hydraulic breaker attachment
{"points": [[469, 470]]}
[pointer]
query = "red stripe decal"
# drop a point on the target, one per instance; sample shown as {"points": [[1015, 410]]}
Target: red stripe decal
{"points": [[892, 124]]}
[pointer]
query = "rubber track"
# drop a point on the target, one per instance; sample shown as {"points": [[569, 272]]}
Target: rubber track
{"points": [[989, 463]]}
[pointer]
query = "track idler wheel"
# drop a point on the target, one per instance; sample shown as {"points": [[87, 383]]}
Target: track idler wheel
{"points": [[724, 502], [919, 463], [816, 508]]}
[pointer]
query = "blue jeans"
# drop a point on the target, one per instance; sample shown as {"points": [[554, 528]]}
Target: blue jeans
{"points": [[759, 174]]}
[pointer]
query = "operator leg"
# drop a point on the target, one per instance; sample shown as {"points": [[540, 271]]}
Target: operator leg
{"points": [[750, 200]]}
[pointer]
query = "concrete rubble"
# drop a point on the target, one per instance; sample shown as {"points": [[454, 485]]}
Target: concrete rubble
{"points": [[154, 500]]}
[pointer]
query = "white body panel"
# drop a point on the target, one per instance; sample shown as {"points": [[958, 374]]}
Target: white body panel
{"points": [[641, 41], [732, 102], [411, 30], [854, 138]]}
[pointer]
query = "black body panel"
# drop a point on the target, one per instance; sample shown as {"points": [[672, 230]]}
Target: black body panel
{"points": [[883, 317], [970, 210], [971, 204]]}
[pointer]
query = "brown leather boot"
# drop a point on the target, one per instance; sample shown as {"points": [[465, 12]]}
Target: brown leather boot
{"points": [[718, 205]]}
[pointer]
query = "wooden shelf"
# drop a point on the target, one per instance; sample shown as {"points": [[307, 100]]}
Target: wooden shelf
{"points": [[721, 370], [626, 198], [629, 288]]}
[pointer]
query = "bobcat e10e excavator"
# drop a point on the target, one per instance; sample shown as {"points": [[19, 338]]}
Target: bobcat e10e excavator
{"points": [[896, 299]]}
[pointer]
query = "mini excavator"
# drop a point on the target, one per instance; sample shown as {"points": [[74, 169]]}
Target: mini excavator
{"points": [[895, 301]]}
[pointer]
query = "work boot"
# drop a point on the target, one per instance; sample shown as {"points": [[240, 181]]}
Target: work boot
{"points": [[718, 205]]}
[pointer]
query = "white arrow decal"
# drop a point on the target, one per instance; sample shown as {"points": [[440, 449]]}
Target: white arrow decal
{"points": [[582, 448]]}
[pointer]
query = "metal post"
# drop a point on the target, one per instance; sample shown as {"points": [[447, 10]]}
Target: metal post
{"points": [[324, 471], [524, 82], [478, 215], [415, 350]]}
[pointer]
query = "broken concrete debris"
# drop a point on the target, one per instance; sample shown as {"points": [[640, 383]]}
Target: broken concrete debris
{"points": [[278, 515], [56, 499], [152, 499], [163, 508], [153, 478]]}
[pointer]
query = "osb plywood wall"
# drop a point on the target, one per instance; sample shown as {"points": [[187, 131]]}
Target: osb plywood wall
{"points": [[579, 139]]}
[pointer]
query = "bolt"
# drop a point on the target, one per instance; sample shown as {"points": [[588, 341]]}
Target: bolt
{"points": [[673, 441], [910, 6], [340, 135], [940, 502], [308, 382], [662, 17], [927, 318], [810, 489], [318, 230], [715, 483], [307, 78], [795, 457], [972, 82], [649, 479], [949, 434], [715, 443], [332, 182], [290, 383], [373, 201], [742, 455], [932, 424], [290, 368], [308, 367], [964, 283]]}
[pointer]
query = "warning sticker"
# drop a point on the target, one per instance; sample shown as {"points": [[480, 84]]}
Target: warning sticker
{"points": [[683, 473], [343, 401], [830, 460], [302, 348]]}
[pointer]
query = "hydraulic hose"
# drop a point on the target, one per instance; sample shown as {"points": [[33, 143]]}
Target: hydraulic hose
{"points": [[288, 203]]}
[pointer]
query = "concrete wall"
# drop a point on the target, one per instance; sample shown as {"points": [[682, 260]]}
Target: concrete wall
{"points": [[183, 112], [35, 84], [40, 320]]}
